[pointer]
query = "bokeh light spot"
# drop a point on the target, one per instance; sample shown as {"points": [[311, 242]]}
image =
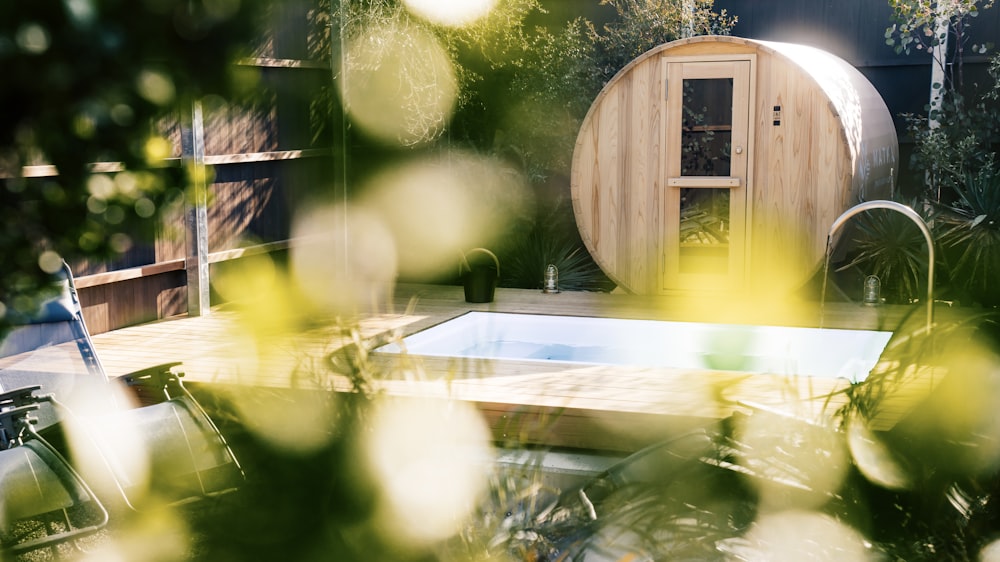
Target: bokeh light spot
{"points": [[114, 214], [82, 11], [153, 534], [451, 12], [439, 207], [398, 85], [799, 465], [122, 114], [101, 186], [429, 457], [127, 184], [990, 552], [84, 125], [33, 38], [90, 240], [155, 86], [50, 261], [299, 425], [873, 458], [798, 535], [120, 242], [245, 283], [957, 419], [96, 205], [157, 149], [346, 260], [108, 449], [145, 208]]}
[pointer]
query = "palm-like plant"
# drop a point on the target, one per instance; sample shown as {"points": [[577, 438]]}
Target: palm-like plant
{"points": [[887, 245], [552, 240], [970, 234]]}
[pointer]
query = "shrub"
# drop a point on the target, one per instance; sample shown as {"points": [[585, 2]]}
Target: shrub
{"points": [[970, 235], [552, 240], [889, 246]]}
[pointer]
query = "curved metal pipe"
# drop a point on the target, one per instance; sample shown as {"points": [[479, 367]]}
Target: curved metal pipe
{"points": [[907, 212]]}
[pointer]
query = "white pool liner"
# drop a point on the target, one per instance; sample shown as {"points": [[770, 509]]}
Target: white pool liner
{"points": [[785, 350]]}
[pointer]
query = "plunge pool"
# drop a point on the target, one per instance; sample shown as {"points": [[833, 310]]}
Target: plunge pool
{"points": [[782, 350]]}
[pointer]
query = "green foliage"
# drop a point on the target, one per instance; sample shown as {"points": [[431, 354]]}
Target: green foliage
{"points": [[970, 235], [644, 24], [915, 22], [551, 88], [524, 92], [962, 142], [953, 150], [956, 159], [551, 240], [86, 82], [561, 73], [477, 51], [916, 27], [944, 509], [957, 133], [888, 245], [497, 39], [994, 72]]}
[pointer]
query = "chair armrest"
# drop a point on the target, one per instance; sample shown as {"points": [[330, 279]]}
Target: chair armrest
{"points": [[155, 384]]}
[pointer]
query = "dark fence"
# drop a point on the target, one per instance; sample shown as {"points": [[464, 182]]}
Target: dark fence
{"points": [[264, 151]]}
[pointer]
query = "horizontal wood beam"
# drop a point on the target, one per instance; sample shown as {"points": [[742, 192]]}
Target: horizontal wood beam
{"points": [[236, 253], [216, 159], [105, 278], [48, 170], [179, 264], [269, 62]]}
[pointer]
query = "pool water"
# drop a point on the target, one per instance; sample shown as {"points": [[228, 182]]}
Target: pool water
{"points": [[815, 352]]}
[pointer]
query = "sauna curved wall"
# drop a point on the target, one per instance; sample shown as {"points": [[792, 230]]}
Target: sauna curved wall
{"points": [[820, 140]]}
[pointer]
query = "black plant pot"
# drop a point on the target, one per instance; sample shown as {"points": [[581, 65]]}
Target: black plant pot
{"points": [[480, 278], [480, 284]]}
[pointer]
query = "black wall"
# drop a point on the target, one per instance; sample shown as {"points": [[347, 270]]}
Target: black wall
{"points": [[855, 31]]}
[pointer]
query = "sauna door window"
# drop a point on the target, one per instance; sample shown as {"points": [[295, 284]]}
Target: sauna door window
{"points": [[707, 109]]}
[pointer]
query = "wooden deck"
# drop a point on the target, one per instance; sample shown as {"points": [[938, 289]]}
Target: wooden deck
{"points": [[599, 407]]}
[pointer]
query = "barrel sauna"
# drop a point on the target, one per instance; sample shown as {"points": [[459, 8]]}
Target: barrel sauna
{"points": [[718, 164]]}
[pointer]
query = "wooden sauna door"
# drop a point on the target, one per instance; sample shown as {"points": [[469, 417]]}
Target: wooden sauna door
{"points": [[707, 107]]}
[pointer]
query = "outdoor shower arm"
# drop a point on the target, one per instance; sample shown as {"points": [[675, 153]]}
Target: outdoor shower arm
{"points": [[907, 212]]}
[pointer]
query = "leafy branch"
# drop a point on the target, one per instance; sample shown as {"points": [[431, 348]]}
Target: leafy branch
{"points": [[923, 25]]}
